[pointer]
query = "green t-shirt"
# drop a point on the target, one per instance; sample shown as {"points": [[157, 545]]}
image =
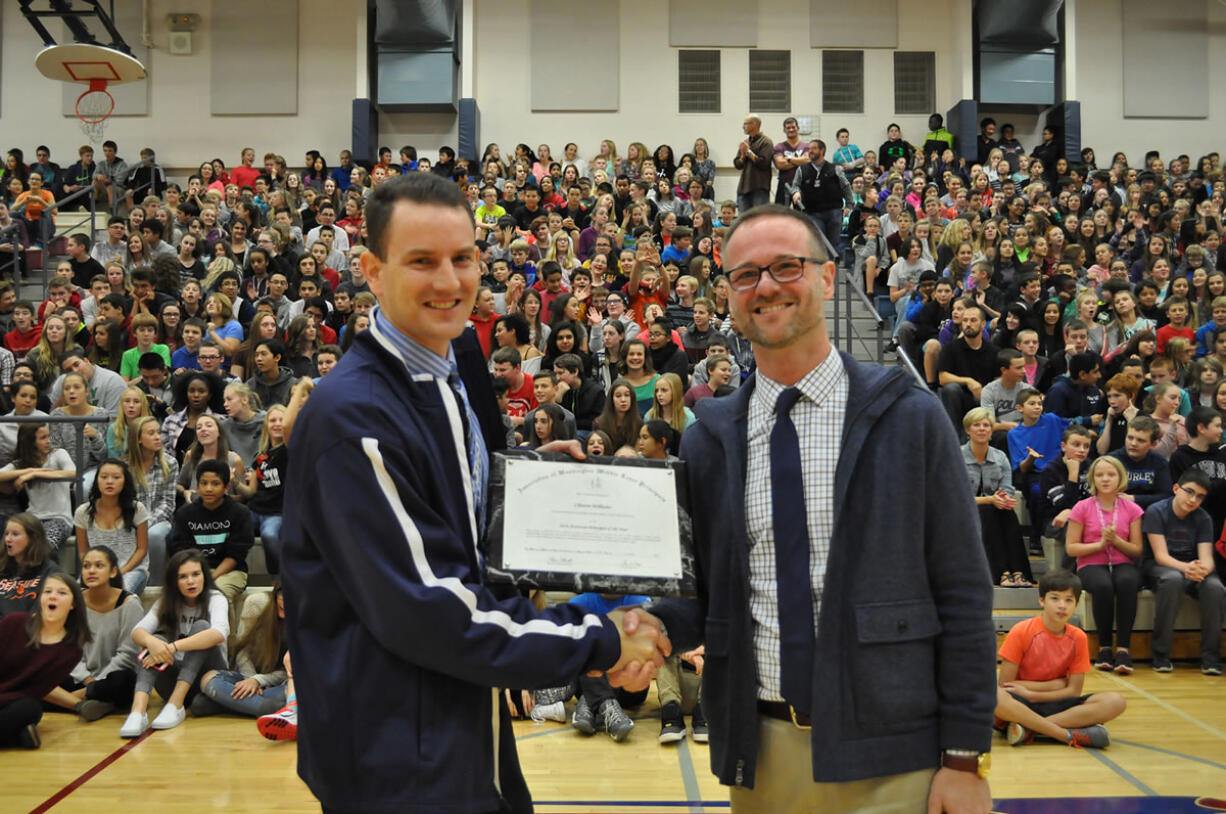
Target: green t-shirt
{"points": [[129, 367]]}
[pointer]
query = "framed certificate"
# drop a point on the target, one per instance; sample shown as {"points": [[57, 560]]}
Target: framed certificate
{"points": [[604, 525]]}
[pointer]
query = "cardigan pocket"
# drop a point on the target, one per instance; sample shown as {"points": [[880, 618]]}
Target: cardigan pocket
{"points": [[893, 681]]}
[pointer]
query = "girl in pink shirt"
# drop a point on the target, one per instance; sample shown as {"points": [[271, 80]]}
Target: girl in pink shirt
{"points": [[1104, 534]]}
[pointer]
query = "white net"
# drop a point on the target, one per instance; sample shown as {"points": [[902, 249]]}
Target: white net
{"points": [[93, 108]]}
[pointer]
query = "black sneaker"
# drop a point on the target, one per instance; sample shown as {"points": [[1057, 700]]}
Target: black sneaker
{"points": [[698, 725], [1105, 660], [1123, 662], [672, 725], [583, 718], [1163, 665], [29, 738], [1211, 668]]}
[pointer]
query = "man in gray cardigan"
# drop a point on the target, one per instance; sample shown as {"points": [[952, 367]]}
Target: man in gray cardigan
{"points": [[887, 695]]}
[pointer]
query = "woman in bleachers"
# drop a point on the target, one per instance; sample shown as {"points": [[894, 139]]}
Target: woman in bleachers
{"points": [[196, 394], [566, 336], [155, 475], [25, 558], [47, 476], [243, 423], [598, 443], [620, 420], [991, 479], [668, 404], [108, 346], [45, 356], [133, 404], [263, 490], [136, 253], [263, 326], [113, 517], [1104, 534], [637, 370], [210, 445], [64, 436]]}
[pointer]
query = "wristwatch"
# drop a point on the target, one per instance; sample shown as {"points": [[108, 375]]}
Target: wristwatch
{"points": [[965, 760]]}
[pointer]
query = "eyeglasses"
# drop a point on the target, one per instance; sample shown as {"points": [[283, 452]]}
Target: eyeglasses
{"points": [[1193, 495], [787, 270]]}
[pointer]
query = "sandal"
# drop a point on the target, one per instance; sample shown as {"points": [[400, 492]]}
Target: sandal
{"points": [[1020, 581], [1007, 580]]}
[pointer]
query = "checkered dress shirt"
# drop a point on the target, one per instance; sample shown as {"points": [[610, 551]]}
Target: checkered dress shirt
{"points": [[818, 417]]}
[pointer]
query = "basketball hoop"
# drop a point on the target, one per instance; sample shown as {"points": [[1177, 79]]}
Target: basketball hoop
{"points": [[96, 66], [93, 108]]}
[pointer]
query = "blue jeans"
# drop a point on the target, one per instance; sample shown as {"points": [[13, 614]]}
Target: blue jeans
{"points": [[748, 200], [135, 580], [831, 224], [885, 310], [900, 311], [268, 528], [221, 685]]}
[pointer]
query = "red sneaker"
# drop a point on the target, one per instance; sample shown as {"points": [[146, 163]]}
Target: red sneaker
{"points": [[281, 725]]}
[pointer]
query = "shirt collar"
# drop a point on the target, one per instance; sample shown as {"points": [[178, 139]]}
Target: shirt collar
{"points": [[416, 357], [817, 386]]}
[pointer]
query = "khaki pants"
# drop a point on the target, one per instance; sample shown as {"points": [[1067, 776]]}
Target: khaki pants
{"points": [[676, 684], [783, 782], [232, 584]]}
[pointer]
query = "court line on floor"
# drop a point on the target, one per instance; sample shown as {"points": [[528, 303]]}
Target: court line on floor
{"points": [[1169, 707], [1193, 758], [90, 773], [1122, 772], [689, 777]]}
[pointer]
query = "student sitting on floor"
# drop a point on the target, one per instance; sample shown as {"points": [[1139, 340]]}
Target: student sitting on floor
{"points": [[105, 678], [1042, 674], [181, 637], [257, 686], [37, 651]]}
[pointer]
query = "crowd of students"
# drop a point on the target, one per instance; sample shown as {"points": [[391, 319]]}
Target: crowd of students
{"points": [[194, 327]]}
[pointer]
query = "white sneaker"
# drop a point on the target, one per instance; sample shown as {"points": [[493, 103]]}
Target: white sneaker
{"points": [[170, 717], [549, 712], [135, 724]]}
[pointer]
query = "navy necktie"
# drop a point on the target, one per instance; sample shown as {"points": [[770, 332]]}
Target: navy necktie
{"points": [[792, 569]]}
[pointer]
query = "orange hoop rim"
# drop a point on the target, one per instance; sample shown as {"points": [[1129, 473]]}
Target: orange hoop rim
{"points": [[95, 86]]}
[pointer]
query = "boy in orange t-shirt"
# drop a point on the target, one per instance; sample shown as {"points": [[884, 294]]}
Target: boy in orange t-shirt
{"points": [[1042, 673], [32, 204]]}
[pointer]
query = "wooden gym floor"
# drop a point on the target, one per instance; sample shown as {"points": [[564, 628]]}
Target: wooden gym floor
{"points": [[1168, 755]]}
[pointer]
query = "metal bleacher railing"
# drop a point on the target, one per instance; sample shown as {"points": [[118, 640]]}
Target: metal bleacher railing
{"points": [[851, 308], [78, 453], [66, 223]]}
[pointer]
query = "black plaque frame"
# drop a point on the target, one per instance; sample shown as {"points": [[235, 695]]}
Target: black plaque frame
{"points": [[495, 572]]}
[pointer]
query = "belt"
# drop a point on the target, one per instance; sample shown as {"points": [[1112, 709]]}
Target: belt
{"points": [[784, 712]]}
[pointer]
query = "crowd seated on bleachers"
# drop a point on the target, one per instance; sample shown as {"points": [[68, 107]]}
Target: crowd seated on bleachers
{"points": [[199, 313]]}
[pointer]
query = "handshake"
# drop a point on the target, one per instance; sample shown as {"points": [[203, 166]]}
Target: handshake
{"points": [[645, 645]]}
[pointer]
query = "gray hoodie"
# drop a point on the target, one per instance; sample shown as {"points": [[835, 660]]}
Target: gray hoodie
{"points": [[244, 436]]}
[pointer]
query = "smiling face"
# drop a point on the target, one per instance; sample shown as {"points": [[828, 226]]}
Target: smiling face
{"points": [[428, 282]]}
